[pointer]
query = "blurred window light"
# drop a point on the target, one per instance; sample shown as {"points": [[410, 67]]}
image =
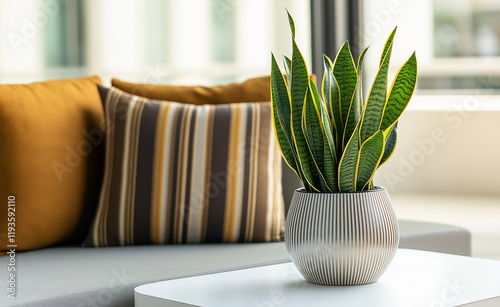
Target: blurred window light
{"points": [[155, 41], [457, 41]]}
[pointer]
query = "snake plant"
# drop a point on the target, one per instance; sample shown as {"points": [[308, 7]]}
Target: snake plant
{"points": [[335, 141]]}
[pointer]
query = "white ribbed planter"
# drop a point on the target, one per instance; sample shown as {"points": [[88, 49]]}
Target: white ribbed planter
{"points": [[341, 238]]}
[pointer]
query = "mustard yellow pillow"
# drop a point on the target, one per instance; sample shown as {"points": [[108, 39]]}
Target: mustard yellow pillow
{"points": [[50, 161], [251, 90]]}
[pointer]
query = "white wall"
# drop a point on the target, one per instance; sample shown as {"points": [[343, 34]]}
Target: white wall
{"points": [[453, 151]]}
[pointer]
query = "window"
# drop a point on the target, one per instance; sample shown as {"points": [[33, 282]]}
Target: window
{"points": [[155, 41], [457, 42]]}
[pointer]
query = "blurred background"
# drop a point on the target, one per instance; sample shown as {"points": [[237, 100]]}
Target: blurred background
{"points": [[186, 42], [212, 41]]}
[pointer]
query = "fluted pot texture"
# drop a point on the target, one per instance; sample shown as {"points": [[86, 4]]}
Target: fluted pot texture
{"points": [[341, 238]]}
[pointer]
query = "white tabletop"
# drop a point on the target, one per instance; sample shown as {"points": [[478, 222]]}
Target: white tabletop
{"points": [[414, 278]]}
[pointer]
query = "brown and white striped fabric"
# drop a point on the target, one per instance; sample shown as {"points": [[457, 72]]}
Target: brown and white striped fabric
{"points": [[180, 173]]}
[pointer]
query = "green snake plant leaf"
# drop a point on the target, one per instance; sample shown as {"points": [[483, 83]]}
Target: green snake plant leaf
{"points": [[356, 106], [370, 154], [348, 164], [313, 129], [344, 71], [330, 158], [288, 68], [334, 139], [315, 95], [292, 24], [391, 137], [313, 132], [330, 169], [325, 85], [281, 117], [325, 122], [299, 84], [401, 91], [375, 104], [387, 47], [331, 97]]}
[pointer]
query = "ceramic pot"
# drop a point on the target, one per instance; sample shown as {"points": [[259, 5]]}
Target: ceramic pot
{"points": [[341, 238]]}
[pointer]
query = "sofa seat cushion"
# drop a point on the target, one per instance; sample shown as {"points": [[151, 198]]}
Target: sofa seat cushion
{"points": [[434, 237], [76, 276]]}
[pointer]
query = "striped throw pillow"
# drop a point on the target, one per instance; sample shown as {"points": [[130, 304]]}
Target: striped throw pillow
{"points": [[179, 173]]}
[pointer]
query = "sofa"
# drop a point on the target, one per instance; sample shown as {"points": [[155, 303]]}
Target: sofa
{"points": [[63, 273], [77, 276]]}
